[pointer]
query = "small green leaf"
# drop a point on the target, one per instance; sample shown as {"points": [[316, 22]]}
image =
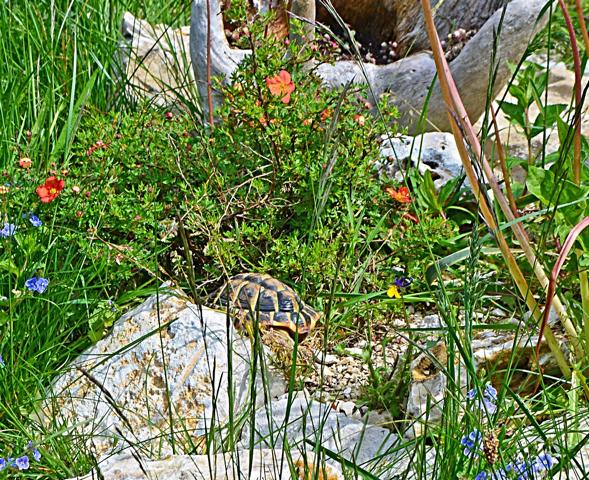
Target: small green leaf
{"points": [[546, 118], [9, 266], [515, 113]]}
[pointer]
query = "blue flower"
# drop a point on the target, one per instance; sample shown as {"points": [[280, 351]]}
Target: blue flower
{"points": [[471, 443], [489, 406], [481, 476], [471, 394], [488, 401], [2, 364], [36, 453], [22, 462], [490, 393], [35, 220], [3, 464], [522, 469], [544, 461], [8, 230], [35, 284], [403, 282]]}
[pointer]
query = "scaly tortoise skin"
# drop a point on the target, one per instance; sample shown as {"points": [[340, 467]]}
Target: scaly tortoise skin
{"points": [[254, 296]]}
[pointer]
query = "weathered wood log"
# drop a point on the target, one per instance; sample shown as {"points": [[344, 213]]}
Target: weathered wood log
{"points": [[374, 21], [377, 21], [409, 79]]}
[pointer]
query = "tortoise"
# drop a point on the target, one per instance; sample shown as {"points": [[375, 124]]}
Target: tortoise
{"points": [[258, 297]]}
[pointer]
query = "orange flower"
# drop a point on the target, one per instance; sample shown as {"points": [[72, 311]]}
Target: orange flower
{"points": [[360, 119], [325, 114], [401, 195], [281, 85], [50, 189]]}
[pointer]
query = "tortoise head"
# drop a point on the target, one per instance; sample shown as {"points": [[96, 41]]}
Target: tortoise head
{"points": [[309, 319]]}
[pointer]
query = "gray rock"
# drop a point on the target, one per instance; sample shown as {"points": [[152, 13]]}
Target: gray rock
{"points": [[428, 387], [432, 321], [354, 351], [347, 408], [156, 62], [310, 422], [263, 464], [161, 376], [492, 352], [560, 89], [434, 152], [328, 359], [223, 58]]}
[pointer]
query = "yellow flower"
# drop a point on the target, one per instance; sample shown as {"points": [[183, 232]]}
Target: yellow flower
{"points": [[393, 292], [3, 190]]}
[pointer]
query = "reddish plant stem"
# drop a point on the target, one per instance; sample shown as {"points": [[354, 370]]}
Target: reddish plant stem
{"points": [[578, 94], [582, 25], [566, 248], [460, 122]]}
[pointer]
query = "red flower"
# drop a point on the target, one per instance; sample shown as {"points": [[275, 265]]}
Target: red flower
{"points": [[281, 85], [50, 189], [401, 195]]}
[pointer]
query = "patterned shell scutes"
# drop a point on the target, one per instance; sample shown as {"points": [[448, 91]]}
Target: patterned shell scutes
{"points": [[274, 303]]}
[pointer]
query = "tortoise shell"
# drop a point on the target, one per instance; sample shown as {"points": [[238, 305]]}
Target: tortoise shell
{"points": [[258, 296]]}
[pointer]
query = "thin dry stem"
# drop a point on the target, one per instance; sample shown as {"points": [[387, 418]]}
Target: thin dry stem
{"points": [[209, 85], [458, 112], [503, 163]]}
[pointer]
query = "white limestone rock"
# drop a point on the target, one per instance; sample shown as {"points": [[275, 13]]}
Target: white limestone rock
{"points": [[310, 422], [263, 464], [161, 376], [155, 62], [435, 152]]}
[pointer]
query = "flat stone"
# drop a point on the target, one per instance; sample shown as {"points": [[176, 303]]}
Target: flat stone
{"points": [[435, 152], [156, 62], [165, 353], [311, 422], [354, 351], [328, 359], [347, 408], [262, 464]]}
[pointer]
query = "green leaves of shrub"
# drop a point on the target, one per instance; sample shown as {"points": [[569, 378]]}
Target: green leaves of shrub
{"points": [[552, 189], [529, 85]]}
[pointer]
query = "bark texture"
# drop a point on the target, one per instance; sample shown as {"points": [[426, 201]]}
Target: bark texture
{"points": [[377, 21]]}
